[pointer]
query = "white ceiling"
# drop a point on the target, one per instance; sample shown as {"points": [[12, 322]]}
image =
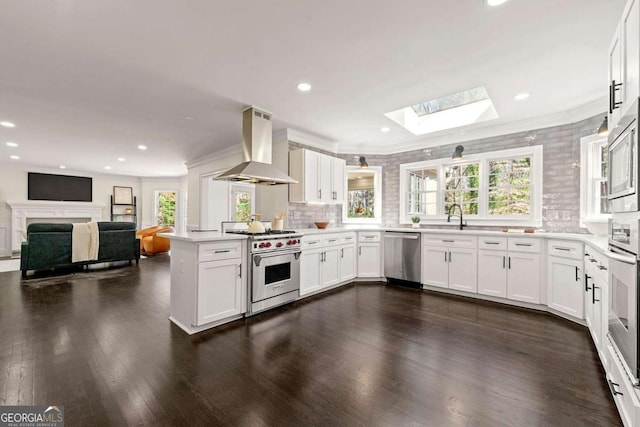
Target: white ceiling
{"points": [[86, 81]]}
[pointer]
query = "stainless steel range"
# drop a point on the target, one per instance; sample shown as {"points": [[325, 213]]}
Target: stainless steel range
{"points": [[274, 276]]}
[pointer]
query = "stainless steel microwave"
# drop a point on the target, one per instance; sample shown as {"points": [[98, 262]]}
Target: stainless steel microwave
{"points": [[623, 163]]}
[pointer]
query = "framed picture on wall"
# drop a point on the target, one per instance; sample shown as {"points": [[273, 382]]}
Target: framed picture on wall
{"points": [[122, 195]]}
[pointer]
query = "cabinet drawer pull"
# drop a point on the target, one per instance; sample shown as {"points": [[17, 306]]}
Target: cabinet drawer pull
{"points": [[491, 243], [504, 260], [593, 260], [369, 237], [223, 251], [612, 387], [593, 295], [577, 277], [602, 267], [312, 243], [348, 238], [333, 240], [586, 282], [587, 254], [524, 244], [448, 241], [558, 248]]}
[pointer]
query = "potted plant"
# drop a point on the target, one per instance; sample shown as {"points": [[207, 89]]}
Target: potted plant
{"points": [[416, 221]]}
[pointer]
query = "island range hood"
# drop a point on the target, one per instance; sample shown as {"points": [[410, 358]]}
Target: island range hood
{"points": [[256, 152]]}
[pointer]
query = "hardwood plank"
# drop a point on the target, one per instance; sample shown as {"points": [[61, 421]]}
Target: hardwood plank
{"points": [[100, 343]]}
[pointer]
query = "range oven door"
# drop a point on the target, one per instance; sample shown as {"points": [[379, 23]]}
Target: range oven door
{"points": [[623, 165], [274, 274], [623, 310]]}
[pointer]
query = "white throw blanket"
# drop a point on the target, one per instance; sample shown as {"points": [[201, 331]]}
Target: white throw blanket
{"points": [[84, 242]]}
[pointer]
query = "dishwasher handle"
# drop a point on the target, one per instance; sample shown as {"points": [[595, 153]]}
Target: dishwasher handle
{"points": [[402, 236]]}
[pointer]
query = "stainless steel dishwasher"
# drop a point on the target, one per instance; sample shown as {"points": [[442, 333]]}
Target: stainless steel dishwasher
{"points": [[402, 257]]}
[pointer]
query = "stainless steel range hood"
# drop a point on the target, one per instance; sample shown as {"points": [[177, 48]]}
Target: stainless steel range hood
{"points": [[256, 151]]}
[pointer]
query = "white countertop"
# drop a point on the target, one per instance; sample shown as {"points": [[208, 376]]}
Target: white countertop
{"points": [[598, 242], [202, 236]]}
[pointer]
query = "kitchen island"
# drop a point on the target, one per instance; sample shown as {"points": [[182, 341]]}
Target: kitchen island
{"points": [[208, 279]]}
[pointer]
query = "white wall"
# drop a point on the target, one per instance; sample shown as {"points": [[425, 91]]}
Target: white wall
{"points": [[213, 163]]}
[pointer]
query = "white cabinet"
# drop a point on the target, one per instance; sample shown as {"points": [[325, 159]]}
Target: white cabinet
{"points": [[509, 268], [624, 63], [208, 283], [219, 290], [347, 262], [321, 178], [523, 277], [565, 279], [596, 296], [310, 270], [326, 261], [450, 261], [370, 254]]}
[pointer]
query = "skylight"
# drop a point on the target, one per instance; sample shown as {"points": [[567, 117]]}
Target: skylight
{"points": [[447, 112]]}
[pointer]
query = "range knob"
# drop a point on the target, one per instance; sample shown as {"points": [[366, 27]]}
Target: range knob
{"points": [[268, 244], [291, 242], [279, 244], [262, 245]]}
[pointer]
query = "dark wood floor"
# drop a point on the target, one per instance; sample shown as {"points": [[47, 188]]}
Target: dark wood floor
{"points": [[100, 344]]}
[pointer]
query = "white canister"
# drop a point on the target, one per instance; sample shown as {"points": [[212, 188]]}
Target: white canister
{"points": [[278, 224]]}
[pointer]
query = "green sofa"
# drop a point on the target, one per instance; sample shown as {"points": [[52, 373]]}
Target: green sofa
{"points": [[49, 245]]}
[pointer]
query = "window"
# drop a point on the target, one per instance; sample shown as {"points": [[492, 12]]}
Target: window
{"points": [[497, 186], [364, 196], [594, 206], [240, 203], [166, 208], [462, 183], [423, 192], [510, 186]]}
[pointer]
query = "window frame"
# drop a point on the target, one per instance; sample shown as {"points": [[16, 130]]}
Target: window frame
{"points": [[534, 219], [589, 145], [377, 201]]}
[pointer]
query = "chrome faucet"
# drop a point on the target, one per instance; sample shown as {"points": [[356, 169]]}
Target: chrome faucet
{"points": [[449, 214]]}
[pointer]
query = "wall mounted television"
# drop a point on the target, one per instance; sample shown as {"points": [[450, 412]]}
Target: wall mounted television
{"points": [[63, 188]]}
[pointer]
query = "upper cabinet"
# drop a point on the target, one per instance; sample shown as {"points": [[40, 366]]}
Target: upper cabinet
{"points": [[624, 63], [321, 178]]}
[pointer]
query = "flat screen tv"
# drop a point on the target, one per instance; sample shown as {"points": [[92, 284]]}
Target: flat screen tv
{"points": [[64, 188]]}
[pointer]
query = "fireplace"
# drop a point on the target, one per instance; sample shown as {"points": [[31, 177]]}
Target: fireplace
{"points": [[30, 211]]}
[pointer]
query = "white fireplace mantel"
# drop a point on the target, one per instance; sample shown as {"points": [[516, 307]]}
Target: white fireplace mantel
{"points": [[21, 211]]}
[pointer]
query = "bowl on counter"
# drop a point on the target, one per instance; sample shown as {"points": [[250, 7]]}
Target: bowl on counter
{"points": [[321, 224]]}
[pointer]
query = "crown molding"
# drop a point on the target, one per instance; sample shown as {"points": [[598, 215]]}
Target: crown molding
{"points": [[310, 140], [582, 112]]}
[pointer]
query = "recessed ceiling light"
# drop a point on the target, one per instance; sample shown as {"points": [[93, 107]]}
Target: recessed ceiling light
{"points": [[7, 124], [15, 157], [121, 159], [63, 167], [142, 147], [12, 144], [521, 96], [304, 87], [107, 167], [189, 118], [495, 2], [385, 129]]}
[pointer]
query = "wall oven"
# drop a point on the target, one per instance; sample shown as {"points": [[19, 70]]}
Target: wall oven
{"points": [[623, 291], [623, 163]]}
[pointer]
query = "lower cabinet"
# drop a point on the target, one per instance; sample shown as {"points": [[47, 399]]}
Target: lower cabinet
{"points": [[208, 283], [565, 286], [370, 254], [326, 261], [347, 262], [310, 271], [622, 391], [596, 298], [219, 290], [450, 261], [510, 268]]}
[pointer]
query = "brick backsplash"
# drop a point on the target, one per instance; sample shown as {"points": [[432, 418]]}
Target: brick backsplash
{"points": [[561, 175]]}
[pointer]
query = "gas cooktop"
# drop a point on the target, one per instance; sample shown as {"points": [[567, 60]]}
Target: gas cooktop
{"points": [[266, 233]]}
